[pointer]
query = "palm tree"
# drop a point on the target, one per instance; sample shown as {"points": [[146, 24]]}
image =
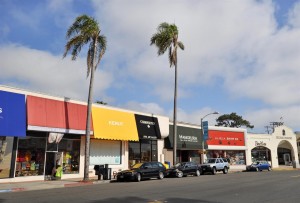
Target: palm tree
{"points": [[167, 38], [86, 30]]}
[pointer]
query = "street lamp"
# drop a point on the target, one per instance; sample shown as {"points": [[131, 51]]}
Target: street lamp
{"points": [[202, 132]]}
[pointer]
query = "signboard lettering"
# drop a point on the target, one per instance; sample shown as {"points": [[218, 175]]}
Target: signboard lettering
{"points": [[260, 143]]}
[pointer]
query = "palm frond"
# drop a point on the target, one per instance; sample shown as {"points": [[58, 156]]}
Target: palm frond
{"points": [[180, 45], [101, 48]]}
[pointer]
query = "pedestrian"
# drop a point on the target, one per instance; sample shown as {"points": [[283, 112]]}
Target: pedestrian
{"points": [[58, 172]]}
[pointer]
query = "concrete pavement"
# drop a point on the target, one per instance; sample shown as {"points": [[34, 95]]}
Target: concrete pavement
{"points": [[42, 185]]}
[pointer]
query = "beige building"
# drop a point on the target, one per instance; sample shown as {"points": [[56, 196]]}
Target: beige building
{"points": [[279, 148]]}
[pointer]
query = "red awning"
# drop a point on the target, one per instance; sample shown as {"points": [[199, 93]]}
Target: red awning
{"points": [[55, 116]]}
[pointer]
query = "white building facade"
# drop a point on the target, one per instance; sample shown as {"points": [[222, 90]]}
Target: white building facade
{"points": [[278, 148]]}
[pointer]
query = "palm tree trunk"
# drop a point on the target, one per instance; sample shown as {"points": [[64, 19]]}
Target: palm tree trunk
{"points": [[88, 119], [88, 129], [175, 119]]}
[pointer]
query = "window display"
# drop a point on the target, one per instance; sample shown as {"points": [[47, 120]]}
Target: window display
{"points": [[70, 151], [236, 157], [30, 156]]}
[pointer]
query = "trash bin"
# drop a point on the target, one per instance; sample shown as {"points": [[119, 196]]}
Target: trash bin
{"points": [[99, 170], [107, 174]]}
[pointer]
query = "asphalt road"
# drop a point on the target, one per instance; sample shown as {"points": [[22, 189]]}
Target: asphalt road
{"points": [[274, 186]]}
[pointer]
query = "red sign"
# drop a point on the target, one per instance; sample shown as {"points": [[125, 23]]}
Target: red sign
{"points": [[228, 138]]}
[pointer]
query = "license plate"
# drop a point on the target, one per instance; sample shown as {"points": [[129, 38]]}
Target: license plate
{"points": [[204, 169], [121, 176]]}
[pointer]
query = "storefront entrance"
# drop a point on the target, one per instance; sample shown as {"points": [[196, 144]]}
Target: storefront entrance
{"points": [[52, 160], [285, 153]]}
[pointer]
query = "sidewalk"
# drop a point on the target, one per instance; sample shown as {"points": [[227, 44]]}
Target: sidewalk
{"points": [[41, 185]]}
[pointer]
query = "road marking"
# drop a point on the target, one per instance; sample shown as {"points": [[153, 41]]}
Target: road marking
{"points": [[295, 176]]}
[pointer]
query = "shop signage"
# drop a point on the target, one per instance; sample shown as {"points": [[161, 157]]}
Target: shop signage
{"points": [[12, 114], [228, 138], [147, 127], [188, 138], [283, 137], [260, 144], [185, 138]]}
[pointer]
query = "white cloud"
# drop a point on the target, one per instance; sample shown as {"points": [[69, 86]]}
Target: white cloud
{"points": [[151, 108], [41, 71]]}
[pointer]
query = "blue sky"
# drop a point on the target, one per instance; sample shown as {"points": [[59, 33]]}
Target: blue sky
{"points": [[240, 56]]}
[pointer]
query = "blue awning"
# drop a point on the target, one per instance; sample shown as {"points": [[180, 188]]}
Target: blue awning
{"points": [[12, 114]]}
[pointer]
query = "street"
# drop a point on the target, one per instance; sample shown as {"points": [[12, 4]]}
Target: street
{"points": [[274, 186]]}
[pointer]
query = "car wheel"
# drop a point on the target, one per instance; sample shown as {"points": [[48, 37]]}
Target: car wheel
{"points": [[160, 175], [269, 168], [214, 171], [225, 170], [138, 177], [198, 173], [179, 174]]}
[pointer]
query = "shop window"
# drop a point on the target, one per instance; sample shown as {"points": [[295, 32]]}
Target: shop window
{"points": [[143, 151], [6, 145], [30, 156], [70, 150], [235, 157]]}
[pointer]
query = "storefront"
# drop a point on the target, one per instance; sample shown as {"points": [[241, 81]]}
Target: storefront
{"points": [[12, 127], [129, 137], [189, 142], [227, 143], [49, 131], [278, 148], [54, 137]]}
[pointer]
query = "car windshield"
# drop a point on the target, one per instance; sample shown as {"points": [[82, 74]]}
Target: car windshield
{"points": [[138, 165], [255, 163], [209, 161]]}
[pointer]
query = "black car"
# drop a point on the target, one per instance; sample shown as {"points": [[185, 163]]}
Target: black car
{"points": [[141, 171], [184, 169]]}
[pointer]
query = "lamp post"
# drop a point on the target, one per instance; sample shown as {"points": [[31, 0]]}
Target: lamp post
{"points": [[202, 132]]}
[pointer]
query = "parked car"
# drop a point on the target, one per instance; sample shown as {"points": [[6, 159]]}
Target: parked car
{"points": [[213, 165], [184, 169], [141, 171], [259, 166]]}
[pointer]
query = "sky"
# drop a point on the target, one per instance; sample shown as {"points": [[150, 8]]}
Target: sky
{"points": [[240, 56]]}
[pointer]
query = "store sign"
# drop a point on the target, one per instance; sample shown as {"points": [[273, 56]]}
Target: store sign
{"points": [[260, 144], [228, 138], [283, 138], [148, 127], [12, 114], [186, 138]]}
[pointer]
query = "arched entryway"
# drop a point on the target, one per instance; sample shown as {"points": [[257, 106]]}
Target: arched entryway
{"points": [[285, 153], [261, 154]]}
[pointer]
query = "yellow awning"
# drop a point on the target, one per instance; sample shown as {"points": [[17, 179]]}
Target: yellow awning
{"points": [[114, 125]]}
